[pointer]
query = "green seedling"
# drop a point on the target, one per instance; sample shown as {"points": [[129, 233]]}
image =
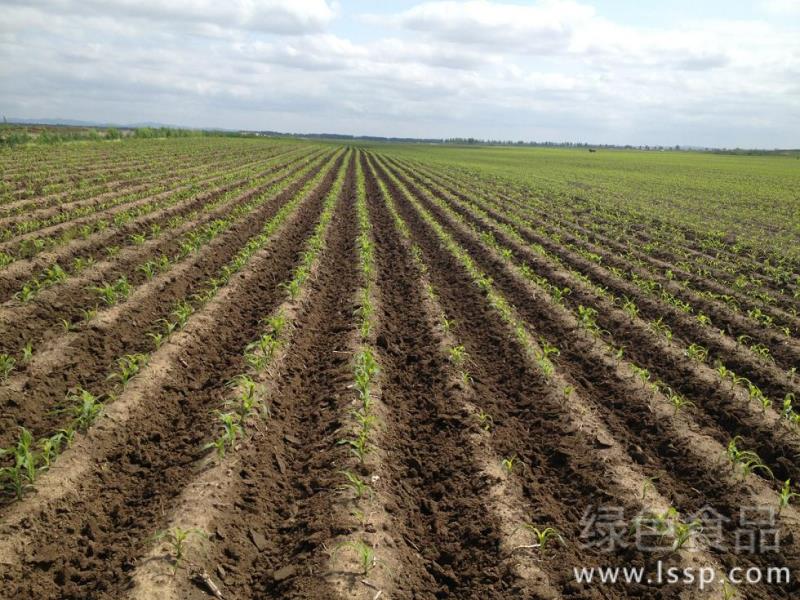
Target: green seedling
{"points": [[292, 288], [787, 408], [27, 292], [629, 306], [112, 293], [447, 324], [366, 368], [27, 353], [457, 354], [728, 591], [683, 532], [86, 407], [355, 483], [129, 365], [364, 553], [51, 447], [558, 294], [485, 420], [17, 478], [89, 313], [158, 338], [231, 431], [53, 274], [587, 318], [746, 460], [247, 400], [276, 324], [648, 484], [182, 311], [785, 496], [169, 326], [7, 363], [697, 352], [509, 464], [542, 538], [259, 354], [662, 328], [359, 445], [150, 268], [178, 540], [677, 401], [704, 320]]}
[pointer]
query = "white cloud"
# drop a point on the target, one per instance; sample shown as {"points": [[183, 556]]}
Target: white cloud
{"points": [[271, 16], [558, 70], [782, 7], [541, 28]]}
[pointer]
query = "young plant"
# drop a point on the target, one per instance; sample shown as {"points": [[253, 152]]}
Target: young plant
{"points": [[182, 311], [485, 420], [178, 539], [785, 496], [697, 352], [53, 274], [543, 538], [662, 328], [355, 483], [683, 532], [258, 354], [158, 338], [509, 464], [27, 292], [129, 365], [231, 430], [558, 294], [364, 553], [366, 368], [85, 408], [746, 460], [27, 353], [359, 445], [51, 447], [587, 317], [457, 355], [150, 268], [89, 313], [7, 363], [247, 401], [111, 293], [629, 306], [648, 484], [447, 324], [677, 401], [17, 478]]}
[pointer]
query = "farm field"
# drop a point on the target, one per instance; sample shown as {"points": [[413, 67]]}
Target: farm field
{"points": [[272, 368]]}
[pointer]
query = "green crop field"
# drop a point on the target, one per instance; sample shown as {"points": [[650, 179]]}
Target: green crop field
{"points": [[756, 198]]}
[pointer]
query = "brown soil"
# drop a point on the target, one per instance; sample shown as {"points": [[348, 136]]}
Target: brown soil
{"points": [[443, 506]]}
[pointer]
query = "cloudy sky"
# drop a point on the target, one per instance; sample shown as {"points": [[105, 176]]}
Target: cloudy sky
{"points": [[704, 72]]}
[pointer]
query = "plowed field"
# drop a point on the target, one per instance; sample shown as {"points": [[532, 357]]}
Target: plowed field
{"points": [[274, 369]]}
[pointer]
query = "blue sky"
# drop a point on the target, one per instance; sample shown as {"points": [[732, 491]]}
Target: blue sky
{"points": [[681, 72]]}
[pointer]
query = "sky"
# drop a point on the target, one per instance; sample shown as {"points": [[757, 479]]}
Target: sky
{"points": [[702, 72]]}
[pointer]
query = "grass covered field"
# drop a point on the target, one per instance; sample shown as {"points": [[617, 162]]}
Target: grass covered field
{"points": [[275, 368]]}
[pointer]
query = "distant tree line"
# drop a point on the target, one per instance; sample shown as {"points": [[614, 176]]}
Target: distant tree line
{"points": [[17, 134], [14, 135]]}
